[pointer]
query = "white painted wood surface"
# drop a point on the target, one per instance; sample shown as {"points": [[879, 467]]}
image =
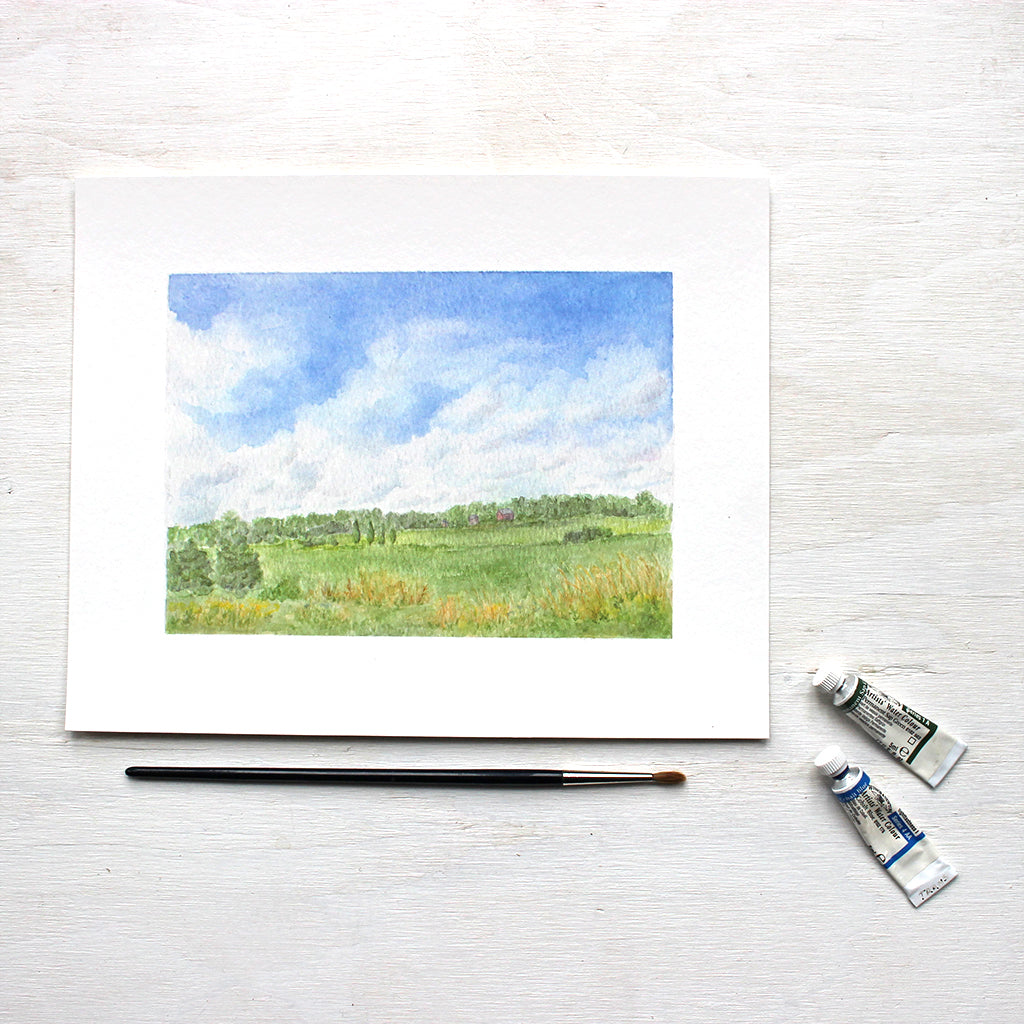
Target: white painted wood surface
{"points": [[893, 135]]}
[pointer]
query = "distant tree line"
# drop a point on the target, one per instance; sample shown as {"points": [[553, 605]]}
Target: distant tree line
{"points": [[375, 526]]}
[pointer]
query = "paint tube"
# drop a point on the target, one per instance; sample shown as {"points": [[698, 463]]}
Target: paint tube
{"points": [[925, 748], [899, 846]]}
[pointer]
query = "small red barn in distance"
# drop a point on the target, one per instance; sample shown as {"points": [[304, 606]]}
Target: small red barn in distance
{"points": [[505, 515]]}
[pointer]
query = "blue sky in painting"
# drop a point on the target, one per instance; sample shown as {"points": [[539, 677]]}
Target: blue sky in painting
{"points": [[309, 392]]}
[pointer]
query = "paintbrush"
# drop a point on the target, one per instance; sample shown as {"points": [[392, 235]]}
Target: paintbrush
{"points": [[406, 776]]}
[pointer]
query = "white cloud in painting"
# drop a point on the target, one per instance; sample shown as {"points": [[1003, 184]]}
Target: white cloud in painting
{"points": [[436, 414], [204, 367]]}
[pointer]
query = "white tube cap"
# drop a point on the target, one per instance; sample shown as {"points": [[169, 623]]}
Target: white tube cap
{"points": [[831, 762], [829, 678]]}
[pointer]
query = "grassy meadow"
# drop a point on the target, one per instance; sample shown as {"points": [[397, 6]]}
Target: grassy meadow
{"points": [[589, 576]]}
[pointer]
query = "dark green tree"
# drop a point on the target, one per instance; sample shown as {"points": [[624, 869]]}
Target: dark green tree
{"points": [[189, 569], [646, 503], [238, 565], [263, 530]]}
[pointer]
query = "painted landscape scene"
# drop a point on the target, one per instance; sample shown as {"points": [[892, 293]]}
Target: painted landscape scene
{"points": [[420, 454]]}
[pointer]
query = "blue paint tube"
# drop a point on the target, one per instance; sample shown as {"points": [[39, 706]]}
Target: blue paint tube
{"points": [[898, 845]]}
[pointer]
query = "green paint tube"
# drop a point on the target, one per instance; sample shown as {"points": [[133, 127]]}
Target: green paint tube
{"points": [[915, 741]]}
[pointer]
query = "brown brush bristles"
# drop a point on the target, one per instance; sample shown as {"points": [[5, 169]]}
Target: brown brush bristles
{"points": [[669, 777]]}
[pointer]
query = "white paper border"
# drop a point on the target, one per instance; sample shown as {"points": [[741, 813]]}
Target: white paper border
{"points": [[711, 680]]}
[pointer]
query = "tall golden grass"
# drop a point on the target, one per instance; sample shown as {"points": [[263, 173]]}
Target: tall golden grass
{"points": [[629, 597], [606, 592], [378, 588], [453, 612], [218, 615]]}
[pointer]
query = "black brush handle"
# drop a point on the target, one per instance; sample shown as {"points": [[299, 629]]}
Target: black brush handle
{"points": [[359, 776]]}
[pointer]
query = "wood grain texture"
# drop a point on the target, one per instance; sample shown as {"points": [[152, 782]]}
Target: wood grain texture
{"points": [[893, 136]]}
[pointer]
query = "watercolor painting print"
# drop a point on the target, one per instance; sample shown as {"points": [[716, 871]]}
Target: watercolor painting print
{"points": [[489, 442], [420, 454]]}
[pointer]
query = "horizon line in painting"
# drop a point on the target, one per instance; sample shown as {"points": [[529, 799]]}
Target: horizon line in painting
{"points": [[435, 453]]}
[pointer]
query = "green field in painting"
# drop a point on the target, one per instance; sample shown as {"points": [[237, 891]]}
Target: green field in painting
{"points": [[610, 579]]}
